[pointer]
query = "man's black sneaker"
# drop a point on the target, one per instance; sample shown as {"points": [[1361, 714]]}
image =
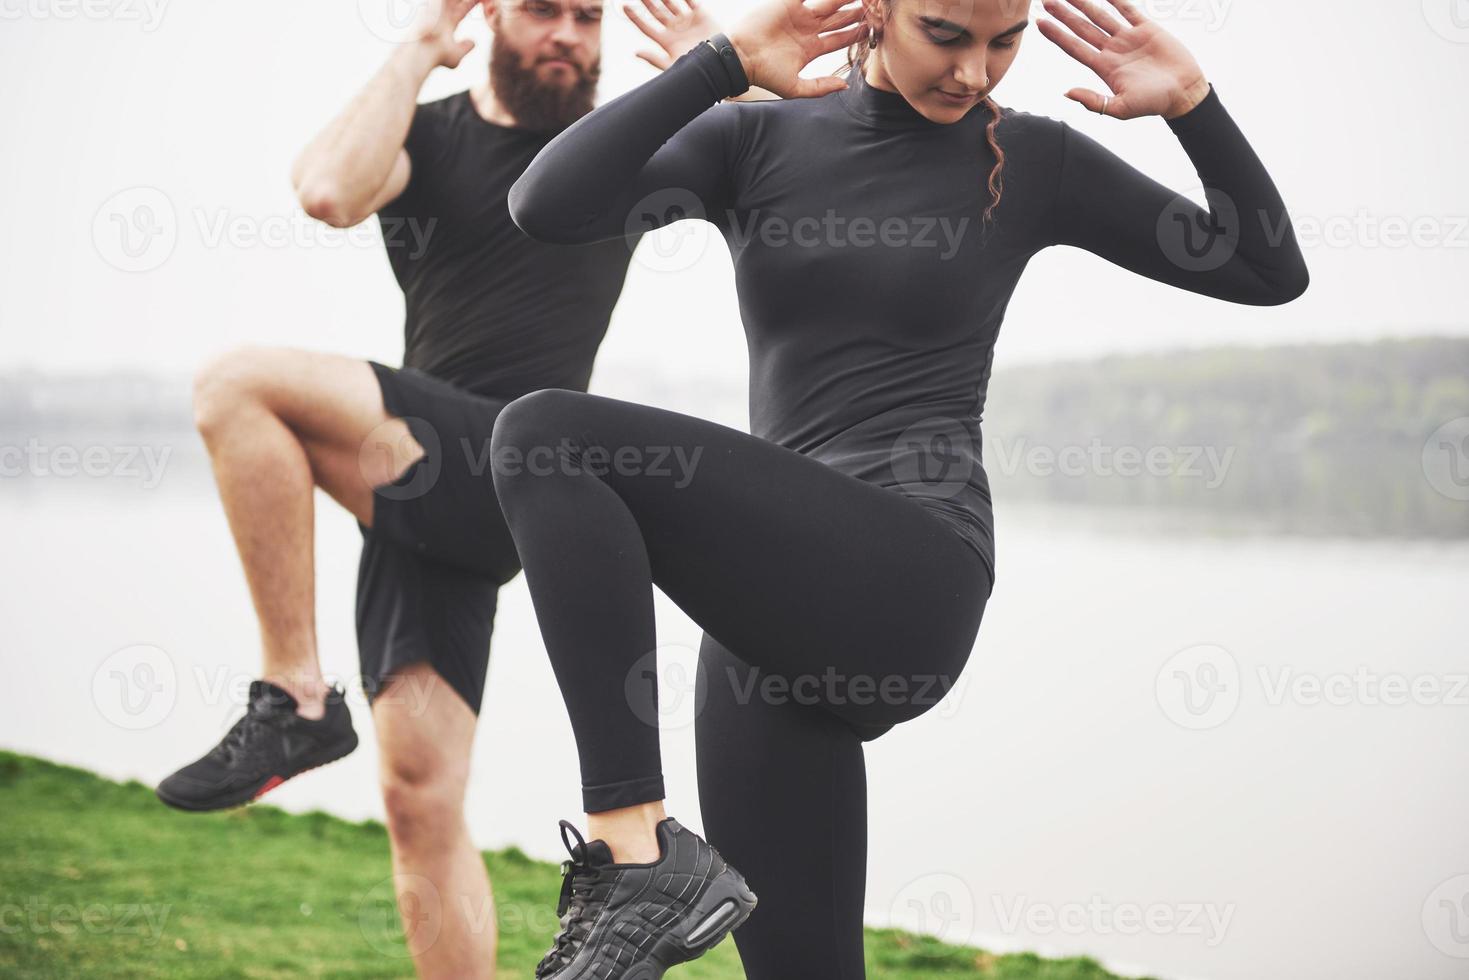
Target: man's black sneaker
{"points": [[634, 921], [264, 749]]}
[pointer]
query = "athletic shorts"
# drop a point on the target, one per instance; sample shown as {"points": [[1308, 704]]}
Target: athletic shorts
{"points": [[438, 549]]}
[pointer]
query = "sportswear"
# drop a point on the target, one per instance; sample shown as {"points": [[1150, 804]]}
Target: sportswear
{"points": [[266, 747], [634, 921]]}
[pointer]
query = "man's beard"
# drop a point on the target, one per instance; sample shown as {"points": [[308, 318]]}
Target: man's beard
{"points": [[536, 104]]}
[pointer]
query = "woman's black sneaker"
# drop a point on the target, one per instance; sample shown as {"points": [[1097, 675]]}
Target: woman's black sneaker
{"points": [[634, 921], [264, 749]]}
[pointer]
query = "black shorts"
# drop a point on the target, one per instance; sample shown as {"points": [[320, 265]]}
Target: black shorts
{"points": [[438, 549]]}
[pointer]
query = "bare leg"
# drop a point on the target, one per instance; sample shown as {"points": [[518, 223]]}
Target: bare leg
{"points": [[425, 732], [630, 831], [276, 424]]}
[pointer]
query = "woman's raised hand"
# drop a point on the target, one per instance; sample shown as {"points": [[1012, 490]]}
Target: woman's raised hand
{"points": [[1148, 70], [781, 37]]}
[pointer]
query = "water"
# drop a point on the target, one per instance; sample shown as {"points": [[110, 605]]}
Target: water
{"points": [[1079, 793]]}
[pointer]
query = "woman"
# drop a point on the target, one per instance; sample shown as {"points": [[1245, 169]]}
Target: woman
{"points": [[840, 558]]}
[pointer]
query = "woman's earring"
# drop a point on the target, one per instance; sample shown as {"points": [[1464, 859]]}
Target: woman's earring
{"points": [[871, 38]]}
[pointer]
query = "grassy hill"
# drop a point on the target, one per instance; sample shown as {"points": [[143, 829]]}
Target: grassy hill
{"points": [[99, 879]]}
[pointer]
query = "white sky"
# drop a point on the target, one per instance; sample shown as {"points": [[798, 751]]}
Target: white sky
{"points": [[1354, 107]]}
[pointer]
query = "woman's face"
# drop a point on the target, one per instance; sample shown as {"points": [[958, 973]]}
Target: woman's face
{"points": [[943, 56]]}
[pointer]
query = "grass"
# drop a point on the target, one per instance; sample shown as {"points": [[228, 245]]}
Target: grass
{"points": [[97, 878]]}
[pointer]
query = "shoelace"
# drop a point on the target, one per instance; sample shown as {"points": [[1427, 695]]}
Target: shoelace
{"points": [[248, 730], [572, 907]]}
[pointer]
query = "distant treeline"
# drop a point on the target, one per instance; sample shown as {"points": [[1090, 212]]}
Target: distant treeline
{"points": [[126, 401], [1321, 439], [1337, 439], [1320, 396]]}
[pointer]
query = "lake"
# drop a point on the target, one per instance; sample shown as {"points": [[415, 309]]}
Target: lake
{"points": [[1191, 754]]}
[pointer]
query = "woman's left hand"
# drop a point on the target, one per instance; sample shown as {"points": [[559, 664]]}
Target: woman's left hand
{"points": [[674, 25], [1149, 72]]}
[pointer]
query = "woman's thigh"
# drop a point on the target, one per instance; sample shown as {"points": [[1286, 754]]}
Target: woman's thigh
{"points": [[844, 593]]}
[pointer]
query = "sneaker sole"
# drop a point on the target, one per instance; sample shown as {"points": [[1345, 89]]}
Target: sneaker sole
{"points": [[723, 908], [242, 798]]}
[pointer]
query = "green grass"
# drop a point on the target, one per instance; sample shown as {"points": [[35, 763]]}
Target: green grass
{"points": [[98, 878]]}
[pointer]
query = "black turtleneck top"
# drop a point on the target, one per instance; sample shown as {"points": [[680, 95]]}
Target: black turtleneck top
{"points": [[870, 284]]}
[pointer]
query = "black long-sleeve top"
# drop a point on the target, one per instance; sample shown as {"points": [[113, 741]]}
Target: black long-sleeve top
{"points": [[870, 286]]}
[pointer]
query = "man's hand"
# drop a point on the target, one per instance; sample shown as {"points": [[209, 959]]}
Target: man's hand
{"points": [[436, 40]]}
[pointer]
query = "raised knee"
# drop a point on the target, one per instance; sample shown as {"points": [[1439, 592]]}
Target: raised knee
{"points": [[535, 418], [226, 384], [424, 804], [529, 432]]}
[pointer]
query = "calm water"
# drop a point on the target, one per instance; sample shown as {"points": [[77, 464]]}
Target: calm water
{"points": [[1198, 757]]}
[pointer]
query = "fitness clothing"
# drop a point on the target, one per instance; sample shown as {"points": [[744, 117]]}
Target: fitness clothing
{"points": [[435, 557], [268, 746], [634, 921], [859, 538], [488, 309], [870, 288], [491, 314], [830, 584]]}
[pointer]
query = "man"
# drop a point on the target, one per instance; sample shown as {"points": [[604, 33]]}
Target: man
{"points": [[491, 315]]}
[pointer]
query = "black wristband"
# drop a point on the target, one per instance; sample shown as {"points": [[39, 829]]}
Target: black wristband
{"points": [[739, 82]]}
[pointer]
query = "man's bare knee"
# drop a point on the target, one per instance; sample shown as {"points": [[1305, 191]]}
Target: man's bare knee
{"points": [[425, 734], [424, 810], [226, 385]]}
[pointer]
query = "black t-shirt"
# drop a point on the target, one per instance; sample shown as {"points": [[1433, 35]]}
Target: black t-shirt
{"points": [[488, 308], [871, 289]]}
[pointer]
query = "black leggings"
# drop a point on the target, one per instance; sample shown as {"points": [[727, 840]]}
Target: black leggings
{"points": [[833, 609]]}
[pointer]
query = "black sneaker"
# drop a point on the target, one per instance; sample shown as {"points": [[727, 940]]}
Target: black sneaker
{"points": [[264, 749], [634, 921]]}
